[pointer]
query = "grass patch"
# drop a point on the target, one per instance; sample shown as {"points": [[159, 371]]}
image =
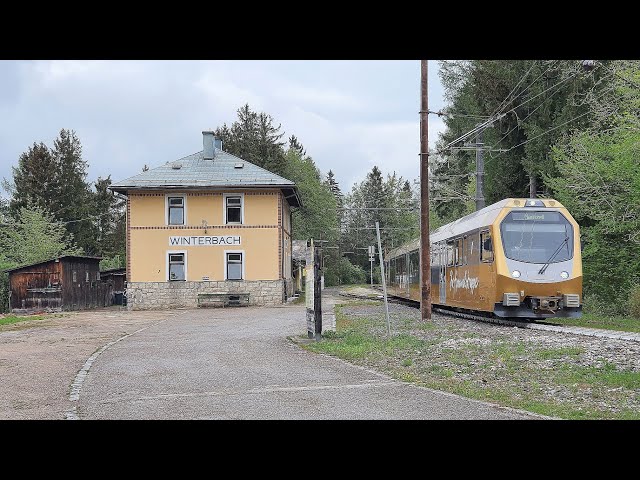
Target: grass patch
{"points": [[593, 377], [592, 320], [9, 319], [499, 370], [551, 353]]}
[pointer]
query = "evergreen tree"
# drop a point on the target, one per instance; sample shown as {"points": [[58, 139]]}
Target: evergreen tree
{"points": [[545, 100], [297, 146], [54, 180], [74, 204], [36, 180], [255, 138], [109, 210]]}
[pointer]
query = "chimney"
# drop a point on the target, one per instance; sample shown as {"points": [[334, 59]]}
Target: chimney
{"points": [[208, 140], [217, 142]]}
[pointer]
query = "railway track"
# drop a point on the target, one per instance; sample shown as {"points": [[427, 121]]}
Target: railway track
{"points": [[537, 325]]}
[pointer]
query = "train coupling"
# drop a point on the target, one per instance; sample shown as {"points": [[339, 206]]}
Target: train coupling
{"points": [[546, 304]]}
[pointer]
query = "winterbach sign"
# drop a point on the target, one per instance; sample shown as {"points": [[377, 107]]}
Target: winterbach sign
{"points": [[206, 240]]}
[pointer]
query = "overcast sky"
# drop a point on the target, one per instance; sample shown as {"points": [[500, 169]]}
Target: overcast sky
{"points": [[349, 115]]}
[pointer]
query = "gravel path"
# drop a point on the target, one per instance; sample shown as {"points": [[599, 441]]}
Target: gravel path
{"points": [[40, 358]]}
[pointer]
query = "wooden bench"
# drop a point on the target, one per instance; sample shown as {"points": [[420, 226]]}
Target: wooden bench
{"points": [[223, 299]]}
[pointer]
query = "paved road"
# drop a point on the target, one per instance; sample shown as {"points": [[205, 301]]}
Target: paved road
{"points": [[238, 364]]}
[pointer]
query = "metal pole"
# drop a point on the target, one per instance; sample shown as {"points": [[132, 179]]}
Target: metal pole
{"points": [[384, 280], [317, 295], [479, 171], [371, 265], [425, 257]]}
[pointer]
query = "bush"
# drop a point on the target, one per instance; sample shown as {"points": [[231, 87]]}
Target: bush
{"points": [[634, 302], [4, 292], [344, 273], [603, 306]]}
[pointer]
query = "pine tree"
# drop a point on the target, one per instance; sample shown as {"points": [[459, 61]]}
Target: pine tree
{"points": [[36, 180], [297, 146], [254, 137], [74, 203]]}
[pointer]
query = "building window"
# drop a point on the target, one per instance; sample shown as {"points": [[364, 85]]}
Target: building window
{"points": [[234, 266], [86, 276], [97, 275], [176, 267], [75, 277], [176, 210], [233, 209]]}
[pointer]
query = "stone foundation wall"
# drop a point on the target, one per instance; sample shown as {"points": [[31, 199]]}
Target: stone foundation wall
{"points": [[162, 295]]}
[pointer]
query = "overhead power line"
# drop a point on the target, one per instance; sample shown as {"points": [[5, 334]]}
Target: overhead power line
{"points": [[505, 102]]}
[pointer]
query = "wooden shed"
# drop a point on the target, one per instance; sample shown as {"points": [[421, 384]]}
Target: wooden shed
{"points": [[115, 278], [68, 282]]}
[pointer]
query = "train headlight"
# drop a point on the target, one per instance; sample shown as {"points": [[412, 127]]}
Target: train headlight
{"points": [[515, 274], [564, 275]]}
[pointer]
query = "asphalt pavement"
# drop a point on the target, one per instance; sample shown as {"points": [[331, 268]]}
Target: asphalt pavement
{"points": [[237, 363]]}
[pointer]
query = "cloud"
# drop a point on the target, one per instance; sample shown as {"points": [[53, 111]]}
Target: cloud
{"points": [[350, 115]]}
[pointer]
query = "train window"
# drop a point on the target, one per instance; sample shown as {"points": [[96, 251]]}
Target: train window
{"points": [[465, 247], [450, 254], [486, 247]]}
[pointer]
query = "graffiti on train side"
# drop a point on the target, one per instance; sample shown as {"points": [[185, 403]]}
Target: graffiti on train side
{"points": [[466, 282]]}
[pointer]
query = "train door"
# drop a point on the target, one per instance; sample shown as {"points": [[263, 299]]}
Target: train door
{"points": [[409, 275], [443, 274], [487, 278]]}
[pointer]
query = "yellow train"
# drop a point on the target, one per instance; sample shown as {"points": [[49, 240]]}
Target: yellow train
{"points": [[515, 258]]}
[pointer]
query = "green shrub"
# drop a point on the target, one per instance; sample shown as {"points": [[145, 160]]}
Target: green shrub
{"points": [[601, 305], [634, 302], [4, 292], [344, 273]]}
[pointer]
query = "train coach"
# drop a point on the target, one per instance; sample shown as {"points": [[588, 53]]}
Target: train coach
{"points": [[517, 258]]}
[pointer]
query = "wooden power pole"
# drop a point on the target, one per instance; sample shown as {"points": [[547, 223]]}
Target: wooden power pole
{"points": [[425, 251]]}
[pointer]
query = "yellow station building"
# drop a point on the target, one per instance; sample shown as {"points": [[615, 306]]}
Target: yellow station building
{"points": [[208, 227]]}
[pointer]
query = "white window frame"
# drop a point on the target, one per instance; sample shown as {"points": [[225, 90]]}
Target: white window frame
{"points": [[173, 252], [244, 261], [224, 208], [166, 207]]}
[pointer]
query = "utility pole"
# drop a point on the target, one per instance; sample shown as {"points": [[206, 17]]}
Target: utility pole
{"points": [[425, 251], [533, 186], [479, 171], [384, 280]]}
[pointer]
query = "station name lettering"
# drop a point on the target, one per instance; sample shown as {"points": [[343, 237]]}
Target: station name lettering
{"points": [[207, 240]]}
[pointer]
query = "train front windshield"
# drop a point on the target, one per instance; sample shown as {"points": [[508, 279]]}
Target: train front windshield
{"points": [[534, 237]]}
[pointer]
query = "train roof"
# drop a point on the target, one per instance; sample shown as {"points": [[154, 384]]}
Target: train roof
{"points": [[482, 218]]}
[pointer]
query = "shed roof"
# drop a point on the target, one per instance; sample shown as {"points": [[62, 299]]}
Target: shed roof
{"points": [[193, 172], [86, 257]]}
